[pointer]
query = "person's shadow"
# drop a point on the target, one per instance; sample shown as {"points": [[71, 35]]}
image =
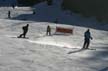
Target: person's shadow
{"points": [[79, 50]]}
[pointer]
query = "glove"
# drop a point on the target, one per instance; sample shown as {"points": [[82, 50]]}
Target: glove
{"points": [[91, 38]]}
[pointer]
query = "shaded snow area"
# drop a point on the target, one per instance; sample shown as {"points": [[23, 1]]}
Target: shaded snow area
{"points": [[51, 53]]}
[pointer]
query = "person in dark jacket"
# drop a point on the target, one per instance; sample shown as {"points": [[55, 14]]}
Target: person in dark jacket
{"points": [[87, 37], [48, 32], [9, 14], [25, 30]]}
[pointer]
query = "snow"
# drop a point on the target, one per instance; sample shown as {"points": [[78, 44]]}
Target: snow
{"points": [[50, 53]]}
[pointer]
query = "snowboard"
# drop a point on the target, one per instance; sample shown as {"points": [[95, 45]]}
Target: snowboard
{"points": [[22, 37]]}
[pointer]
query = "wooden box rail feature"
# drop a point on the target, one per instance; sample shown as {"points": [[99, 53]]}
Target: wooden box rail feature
{"points": [[64, 30]]}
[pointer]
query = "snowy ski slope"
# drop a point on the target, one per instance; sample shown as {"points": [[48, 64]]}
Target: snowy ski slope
{"points": [[50, 53]]}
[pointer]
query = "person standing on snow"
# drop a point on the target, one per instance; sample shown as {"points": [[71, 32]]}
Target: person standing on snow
{"points": [[48, 31], [9, 13], [87, 37], [25, 30]]}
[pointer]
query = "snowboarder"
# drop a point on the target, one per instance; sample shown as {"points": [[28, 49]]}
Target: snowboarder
{"points": [[87, 37], [9, 12], [25, 30], [48, 32]]}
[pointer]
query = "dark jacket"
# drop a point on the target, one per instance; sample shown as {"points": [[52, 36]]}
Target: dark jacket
{"points": [[25, 28], [48, 29], [87, 35]]}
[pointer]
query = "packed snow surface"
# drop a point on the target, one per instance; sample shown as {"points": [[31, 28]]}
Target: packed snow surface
{"points": [[50, 53]]}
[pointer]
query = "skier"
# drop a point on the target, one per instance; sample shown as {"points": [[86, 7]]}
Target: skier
{"points": [[34, 12], [9, 14], [25, 30], [87, 37], [48, 32]]}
